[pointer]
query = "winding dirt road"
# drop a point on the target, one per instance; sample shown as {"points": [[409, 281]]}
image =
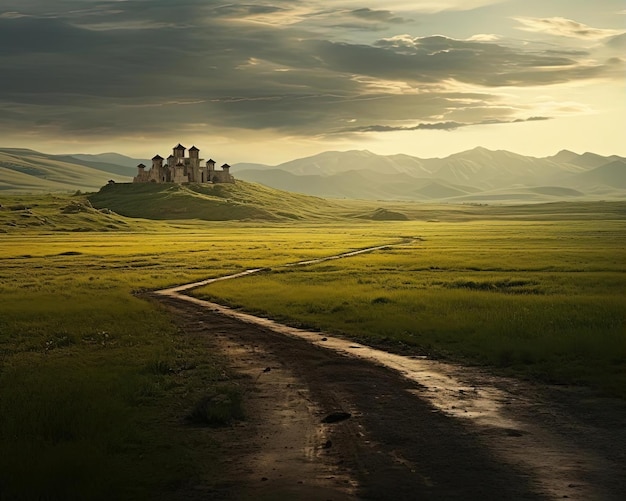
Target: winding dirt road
{"points": [[333, 419]]}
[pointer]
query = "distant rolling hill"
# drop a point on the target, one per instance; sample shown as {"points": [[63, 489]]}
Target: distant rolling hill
{"points": [[335, 162], [112, 159], [612, 174], [470, 176], [23, 170]]}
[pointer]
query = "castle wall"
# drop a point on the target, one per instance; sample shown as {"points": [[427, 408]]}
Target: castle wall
{"points": [[180, 176], [142, 176], [222, 177], [180, 169]]}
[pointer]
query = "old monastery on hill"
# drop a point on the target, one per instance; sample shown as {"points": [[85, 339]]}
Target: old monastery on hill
{"points": [[181, 169]]}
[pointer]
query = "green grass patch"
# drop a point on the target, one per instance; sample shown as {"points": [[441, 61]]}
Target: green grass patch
{"points": [[540, 299]]}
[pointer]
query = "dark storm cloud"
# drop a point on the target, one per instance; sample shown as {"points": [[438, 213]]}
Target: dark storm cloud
{"points": [[116, 67], [22, 36]]}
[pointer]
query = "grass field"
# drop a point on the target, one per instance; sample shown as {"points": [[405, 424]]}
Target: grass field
{"points": [[95, 379], [542, 299]]}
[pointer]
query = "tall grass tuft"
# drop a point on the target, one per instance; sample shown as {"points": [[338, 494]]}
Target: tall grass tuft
{"points": [[223, 406]]}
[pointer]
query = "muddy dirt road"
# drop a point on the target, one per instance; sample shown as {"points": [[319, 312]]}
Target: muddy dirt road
{"points": [[556, 442], [332, 419]]}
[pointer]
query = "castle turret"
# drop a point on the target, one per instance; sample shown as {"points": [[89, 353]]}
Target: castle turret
{"points": [[194, 152], [156, 173], [157, 162], [142, 175], [179, 151], [210, 164], [224, 176]]}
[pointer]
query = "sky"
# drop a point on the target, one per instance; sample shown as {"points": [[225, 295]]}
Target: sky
{"points": [[270, 81]]}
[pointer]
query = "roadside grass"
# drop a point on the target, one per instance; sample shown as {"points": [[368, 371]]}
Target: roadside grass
{"points": [[537, 299], [102, 397], [92, 396]]}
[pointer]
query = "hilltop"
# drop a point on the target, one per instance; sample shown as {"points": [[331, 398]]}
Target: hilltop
{"points": [[211, 202]]}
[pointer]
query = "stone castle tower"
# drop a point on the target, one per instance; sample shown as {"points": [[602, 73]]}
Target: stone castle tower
{"points": [[181, 169]]}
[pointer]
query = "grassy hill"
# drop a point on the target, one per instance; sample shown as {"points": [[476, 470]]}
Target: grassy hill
{"points": [[219, 202], [59, 213], [28, 171]]}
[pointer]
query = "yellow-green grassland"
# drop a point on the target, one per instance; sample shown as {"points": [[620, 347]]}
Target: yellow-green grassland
{"points": [[94, 377]]}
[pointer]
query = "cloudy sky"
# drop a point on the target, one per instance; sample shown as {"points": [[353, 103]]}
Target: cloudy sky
{"points": [[268, 81]]}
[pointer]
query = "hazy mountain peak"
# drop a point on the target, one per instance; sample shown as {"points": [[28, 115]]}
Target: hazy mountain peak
{"points": [[467, 175], [566, 153]]}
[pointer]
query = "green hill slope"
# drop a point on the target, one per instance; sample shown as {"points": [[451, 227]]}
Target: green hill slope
{"points": [[219, 202], [121, 171], [30, 171], [45, 213]]}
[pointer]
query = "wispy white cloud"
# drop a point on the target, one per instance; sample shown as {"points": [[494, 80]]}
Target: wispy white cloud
{"points": [[12, 15], [483, 37], [425, 6], [561, 26]]}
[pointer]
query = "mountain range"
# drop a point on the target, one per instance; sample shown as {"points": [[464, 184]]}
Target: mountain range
{"points": [[477, 175], [474, 175]]}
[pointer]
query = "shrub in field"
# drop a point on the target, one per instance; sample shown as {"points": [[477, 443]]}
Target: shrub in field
{"points": [[220, 408]]}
